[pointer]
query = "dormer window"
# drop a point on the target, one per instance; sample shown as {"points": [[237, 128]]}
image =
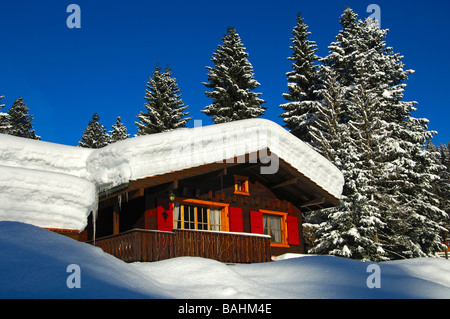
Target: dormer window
{"points": [[241, 185]]}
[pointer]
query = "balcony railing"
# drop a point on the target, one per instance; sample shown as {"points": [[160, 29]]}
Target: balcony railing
{"points": [[152, 245]]}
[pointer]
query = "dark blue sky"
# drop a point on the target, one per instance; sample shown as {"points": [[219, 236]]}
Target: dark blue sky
{"points": [[65, 75]]}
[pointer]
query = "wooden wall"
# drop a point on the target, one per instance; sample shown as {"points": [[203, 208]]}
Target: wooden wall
{"points": [[141, 212]]}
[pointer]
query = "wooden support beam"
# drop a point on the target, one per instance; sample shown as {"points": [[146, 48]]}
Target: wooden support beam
{"points": [[116, 218], [285, 183], [314, 202]]}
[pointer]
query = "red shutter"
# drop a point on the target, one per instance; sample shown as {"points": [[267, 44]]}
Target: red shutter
{"points": [[292, 226], [235, 217], [164, 214], [256, 222]]}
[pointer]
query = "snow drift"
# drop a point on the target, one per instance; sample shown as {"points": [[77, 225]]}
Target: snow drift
{"points": [[34, 264], [45, 172]]}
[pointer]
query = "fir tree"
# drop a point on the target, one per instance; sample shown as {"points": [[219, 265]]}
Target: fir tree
{"points": [[165, 108], [95, 135], [388, 173], [19, 121], [4, 122], [349, 230], [118, 132], [442, 186], [232, 83], [300, 113]]}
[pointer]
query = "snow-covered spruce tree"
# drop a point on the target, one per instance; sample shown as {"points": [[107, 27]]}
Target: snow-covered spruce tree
{"points": [[442, 188], [118, 132], [405, 192], [165, 108], [387, 143], [4, 123], [232, 83], [349, 230], [19, 121], [95, 135], [300, 113], [444, 182]]}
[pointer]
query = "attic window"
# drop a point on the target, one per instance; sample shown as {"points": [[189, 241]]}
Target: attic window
{"points": [[241, 185]]}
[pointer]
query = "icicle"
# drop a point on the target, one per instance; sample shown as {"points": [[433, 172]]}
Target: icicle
{"points": [[119, 199]]}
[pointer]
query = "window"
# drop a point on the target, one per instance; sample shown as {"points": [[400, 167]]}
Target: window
{"points": [[192, 216], [241, 185], [273, 226]]}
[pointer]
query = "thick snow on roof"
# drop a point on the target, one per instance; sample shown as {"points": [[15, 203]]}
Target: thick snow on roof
{"points": [[167, 152], [44, 156], [54, 185], [45, 199]]}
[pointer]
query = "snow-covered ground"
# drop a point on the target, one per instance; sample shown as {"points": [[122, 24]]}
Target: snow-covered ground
{"points": [[35, 263]]}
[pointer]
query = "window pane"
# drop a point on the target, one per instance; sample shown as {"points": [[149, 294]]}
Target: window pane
{"points": [[212, 216], [202, 218], [275, 222], [272, 227], [266, 224], [177, 216], [189, 218], [275, 228], [215, 219]]}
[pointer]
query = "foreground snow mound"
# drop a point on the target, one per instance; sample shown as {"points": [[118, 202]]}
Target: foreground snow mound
{"points": [[34, 264]]}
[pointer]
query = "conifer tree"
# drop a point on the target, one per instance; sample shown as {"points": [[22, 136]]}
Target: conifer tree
{"points": [[165, 108], [349, 230], [232, 83], [300, 113], [442, 187], [95, 135], [118, 132], [4, 123], [388, 173], [19, 121]]}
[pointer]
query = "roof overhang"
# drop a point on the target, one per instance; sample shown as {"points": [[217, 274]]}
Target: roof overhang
{"points": [[287, 183]]}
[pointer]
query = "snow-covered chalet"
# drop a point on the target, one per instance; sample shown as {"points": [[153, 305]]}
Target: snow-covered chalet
{"points": [[234, 192]]}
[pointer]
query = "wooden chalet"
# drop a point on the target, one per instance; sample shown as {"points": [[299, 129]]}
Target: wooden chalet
{"points": [[225, 209]]}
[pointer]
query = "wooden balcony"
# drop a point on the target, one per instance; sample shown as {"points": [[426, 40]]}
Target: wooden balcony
{"points": [[152, 245]]}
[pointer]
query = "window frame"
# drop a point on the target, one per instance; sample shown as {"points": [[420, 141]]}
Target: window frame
{"points": [[283, 223], [209, 205], [244, 185]]}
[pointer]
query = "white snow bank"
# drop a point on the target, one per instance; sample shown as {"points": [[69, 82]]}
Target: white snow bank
{"points": [[45, 199], [34, 263]]}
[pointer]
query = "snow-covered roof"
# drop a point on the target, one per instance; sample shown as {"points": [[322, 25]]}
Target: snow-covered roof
{"points": [[45, 199], [57, 168]]}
